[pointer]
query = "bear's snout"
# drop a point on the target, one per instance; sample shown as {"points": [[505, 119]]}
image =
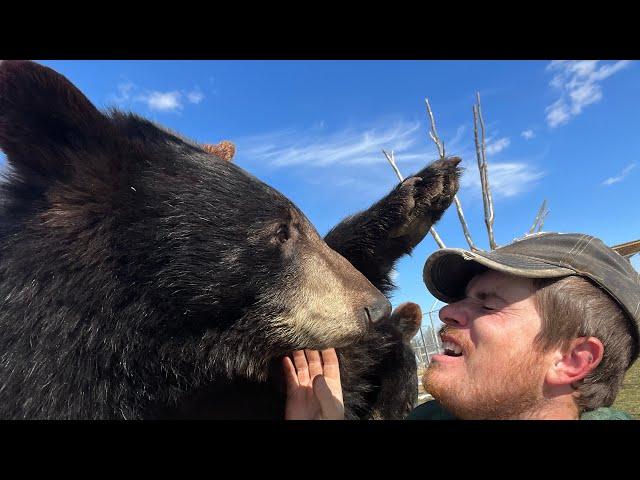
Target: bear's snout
{"points": [[378, 311]]}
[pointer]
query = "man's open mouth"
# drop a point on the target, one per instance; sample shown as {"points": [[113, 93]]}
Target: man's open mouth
{"points": [[451, 348]]}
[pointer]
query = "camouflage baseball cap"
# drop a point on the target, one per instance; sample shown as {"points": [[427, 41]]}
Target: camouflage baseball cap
{"points": [[543, 255]]}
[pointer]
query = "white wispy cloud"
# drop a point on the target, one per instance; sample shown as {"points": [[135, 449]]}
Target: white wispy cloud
{"points": [[162, 101], [506, 179], [557, 113], [124, 93], [528, 134], [456, 145], [316, 148], [169, 101], [335, 156], [611, 180], [496, 146], [580, 85], [195, 96]]}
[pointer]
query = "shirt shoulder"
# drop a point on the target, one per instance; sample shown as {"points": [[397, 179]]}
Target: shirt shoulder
{"points": [[605, 413], [431, 410]]}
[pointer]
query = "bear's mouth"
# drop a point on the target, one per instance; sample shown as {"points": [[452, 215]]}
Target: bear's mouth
{"points": [[377, 313], [369, 321]]}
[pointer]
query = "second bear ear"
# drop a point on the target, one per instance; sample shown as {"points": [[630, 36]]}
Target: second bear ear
{"points": [[407, 318], [42, 114]]}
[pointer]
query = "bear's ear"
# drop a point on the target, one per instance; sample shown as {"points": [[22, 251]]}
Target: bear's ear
{"points": [[407, 318], [224, 150], [41, 115]]}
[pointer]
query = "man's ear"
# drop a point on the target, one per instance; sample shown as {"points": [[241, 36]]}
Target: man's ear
{"points": [[43, 115], [581, 358]]}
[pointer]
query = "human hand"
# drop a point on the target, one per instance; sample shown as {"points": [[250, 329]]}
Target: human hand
{"points": [[314, 391]]}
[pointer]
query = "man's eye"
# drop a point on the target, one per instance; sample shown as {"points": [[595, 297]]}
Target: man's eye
{"points": [[487, 308]]}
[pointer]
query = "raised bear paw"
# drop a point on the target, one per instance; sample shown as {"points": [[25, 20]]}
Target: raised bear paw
{"points": [[422, 199], [372, 240]]}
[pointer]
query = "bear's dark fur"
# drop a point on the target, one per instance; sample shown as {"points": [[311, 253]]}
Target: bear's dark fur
{"points": [[379, 375], [141, 277], [378, 372]]}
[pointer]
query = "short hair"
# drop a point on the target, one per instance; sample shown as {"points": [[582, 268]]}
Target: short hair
{"points": [[572, 307]]}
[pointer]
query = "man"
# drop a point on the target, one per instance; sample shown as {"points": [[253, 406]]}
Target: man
{"points": [[543, 328]]}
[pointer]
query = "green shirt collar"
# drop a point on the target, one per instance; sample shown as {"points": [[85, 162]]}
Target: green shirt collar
{"points": [[432, 410]]}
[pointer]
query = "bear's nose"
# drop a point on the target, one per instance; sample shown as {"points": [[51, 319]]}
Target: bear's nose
{"points": [[379, 311]]}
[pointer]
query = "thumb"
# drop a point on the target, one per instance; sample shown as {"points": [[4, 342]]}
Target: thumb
{"points": [[331, 407]]}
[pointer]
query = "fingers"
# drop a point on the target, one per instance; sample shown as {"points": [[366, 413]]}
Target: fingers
{"points": [[302, 367], [290, 375], [307, 364], [315, 363], [331, 365], [330, 406], [321, 372]]}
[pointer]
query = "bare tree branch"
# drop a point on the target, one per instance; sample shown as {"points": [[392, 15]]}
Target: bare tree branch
{"points": [[539, 216], [432, 133], [437, 238], [484, 176], [542, 220], [391, 159], [440, 146], [463, 222]]}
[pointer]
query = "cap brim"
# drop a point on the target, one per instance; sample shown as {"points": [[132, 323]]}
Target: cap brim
{"points": [[447, 272]]}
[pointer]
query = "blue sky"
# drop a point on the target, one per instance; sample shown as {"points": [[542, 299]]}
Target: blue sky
{"points": [[562, 131]]}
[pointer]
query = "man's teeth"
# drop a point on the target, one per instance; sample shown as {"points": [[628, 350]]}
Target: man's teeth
{"points": [[451, 348]]}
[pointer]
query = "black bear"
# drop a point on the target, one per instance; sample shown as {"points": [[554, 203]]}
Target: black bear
{"points": [[142, 277], [379, 371]]}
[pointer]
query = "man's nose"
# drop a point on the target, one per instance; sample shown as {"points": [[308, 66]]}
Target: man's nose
{"points": [[453, 315]]}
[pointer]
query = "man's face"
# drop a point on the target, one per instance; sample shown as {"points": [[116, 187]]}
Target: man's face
{"points": [[490, 368]]}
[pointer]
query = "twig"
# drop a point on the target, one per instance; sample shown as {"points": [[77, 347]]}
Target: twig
{"points": [[542, 220], [432, 133], [437, 238], [484, 176], [392, 161], [440, 146], [539, 216], [465, 228]]}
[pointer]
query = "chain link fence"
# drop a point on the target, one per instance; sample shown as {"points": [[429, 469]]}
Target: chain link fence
{"points": [[425, 344]]}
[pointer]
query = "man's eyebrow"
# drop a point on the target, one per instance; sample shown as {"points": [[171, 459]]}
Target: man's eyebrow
{"points": [[484, 294]]}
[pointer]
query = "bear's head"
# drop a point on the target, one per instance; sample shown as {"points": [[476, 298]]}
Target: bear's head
{"points": [[127, 240]]}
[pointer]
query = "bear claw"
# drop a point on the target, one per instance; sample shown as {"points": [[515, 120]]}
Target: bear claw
{"points": [[424, 197]]}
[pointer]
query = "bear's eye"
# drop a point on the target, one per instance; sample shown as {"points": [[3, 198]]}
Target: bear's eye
{"points": [[282, 235]]}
